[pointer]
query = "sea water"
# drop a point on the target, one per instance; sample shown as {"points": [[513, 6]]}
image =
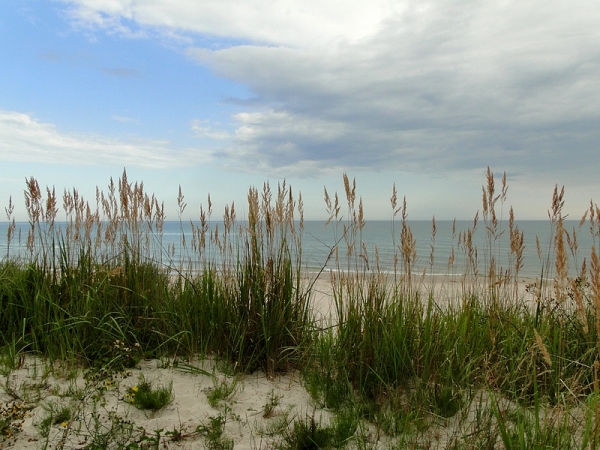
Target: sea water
{"points": [[379, 243]]}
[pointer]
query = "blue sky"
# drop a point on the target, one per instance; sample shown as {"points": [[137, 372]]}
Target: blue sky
{"points": [[218, 96]]}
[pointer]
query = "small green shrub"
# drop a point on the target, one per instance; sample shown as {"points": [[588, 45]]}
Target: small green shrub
{"points": [[146, 397], [308, 434]]}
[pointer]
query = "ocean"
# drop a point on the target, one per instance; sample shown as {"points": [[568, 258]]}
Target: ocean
{"points": [[384, 237]]}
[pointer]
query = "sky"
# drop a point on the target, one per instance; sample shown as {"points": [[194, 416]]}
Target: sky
{"points": [[221, 95]]}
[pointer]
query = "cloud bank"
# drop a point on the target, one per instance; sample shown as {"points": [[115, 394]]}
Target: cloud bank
{"points": [[407, 85]]}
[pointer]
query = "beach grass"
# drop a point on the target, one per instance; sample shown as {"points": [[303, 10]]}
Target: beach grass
{"points": [[399, 357]]}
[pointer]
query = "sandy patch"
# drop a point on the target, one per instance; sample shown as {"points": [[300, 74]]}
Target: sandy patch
{"points": [[101, 411]]}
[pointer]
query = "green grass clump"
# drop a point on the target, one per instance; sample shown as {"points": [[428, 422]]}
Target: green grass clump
{"points": [[147, 397], [308, 434], [101, 277]]}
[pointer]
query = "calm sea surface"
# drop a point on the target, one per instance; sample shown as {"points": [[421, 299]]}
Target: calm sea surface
{"points": [[318, 239]]}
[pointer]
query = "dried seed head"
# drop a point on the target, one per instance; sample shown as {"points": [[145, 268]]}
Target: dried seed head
{"points": [[180, 202], [361, 218], [10, 209], [517, 247], [561, 264], [301, 211], [350, 192], [542, 348], [583, 218], [557, 203], [484, 201], [51, 206], [33, 198], [451, 257], [490, 191], [504, 188], [394, 201], [291, 206]]}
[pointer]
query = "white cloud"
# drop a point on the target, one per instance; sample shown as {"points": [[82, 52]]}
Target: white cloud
{"points": [[312, 23], [24, 139], [202, 129]]}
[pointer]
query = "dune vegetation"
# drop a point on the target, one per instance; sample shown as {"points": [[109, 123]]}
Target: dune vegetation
{"points": [[398, 364]]}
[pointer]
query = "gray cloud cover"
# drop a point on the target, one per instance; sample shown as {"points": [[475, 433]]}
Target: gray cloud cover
{"points": [[451, 85], [418, 86]]}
